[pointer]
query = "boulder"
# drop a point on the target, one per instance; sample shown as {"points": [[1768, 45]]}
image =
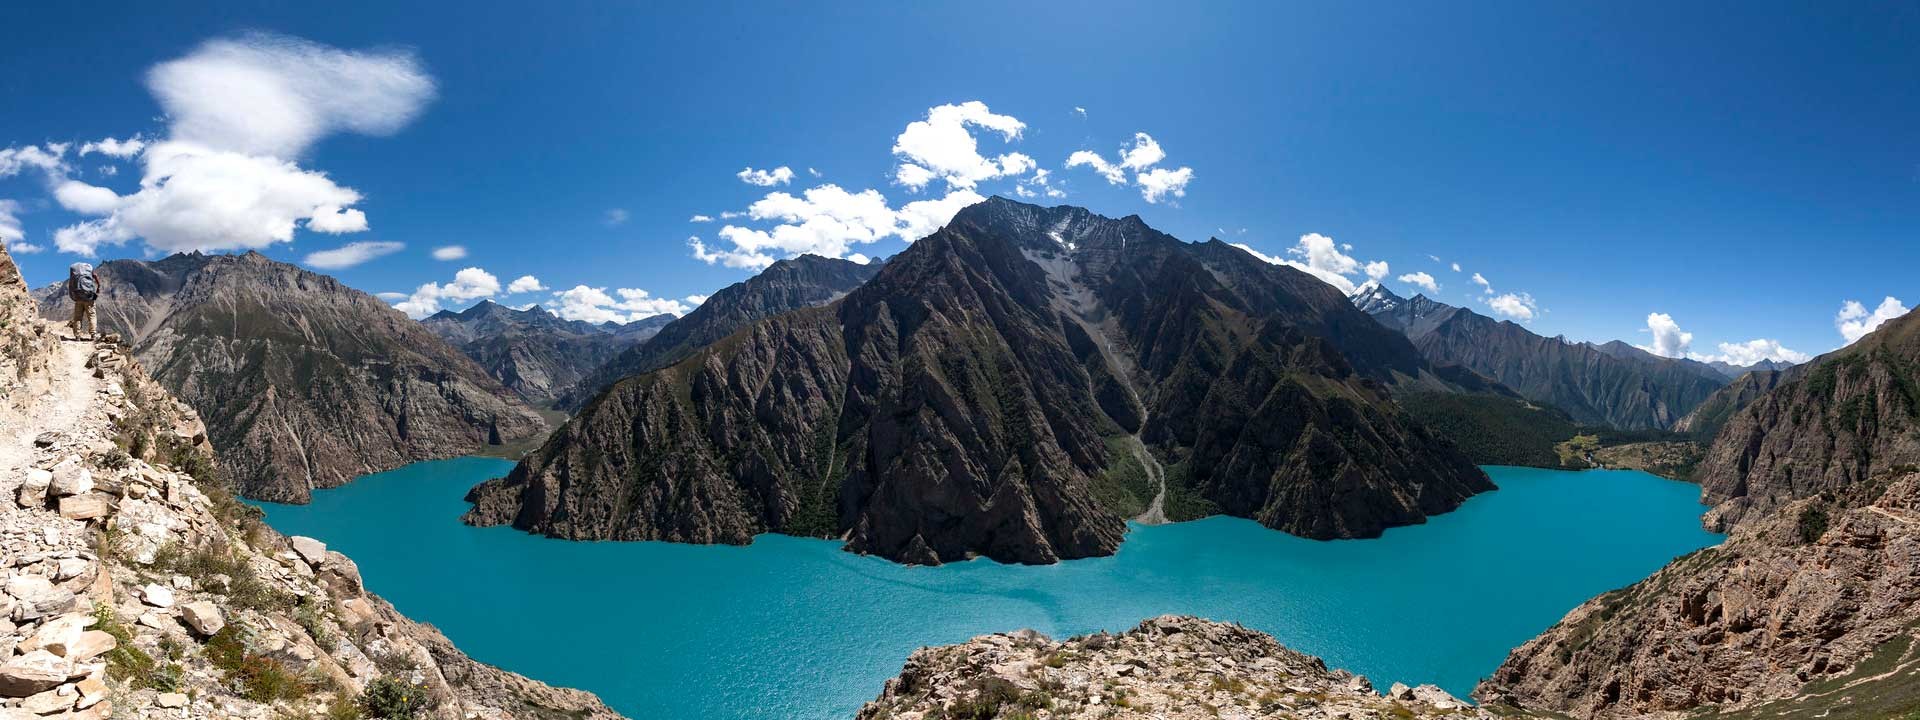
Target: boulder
{"points": [[156, 595], [70, 568], [37, 597], [69, 478], [204, 617], [58, 635], [171, 700], [33, 673], [84, 507], [1433, 695], [311, 550], [1400, 691], [92, 691], [33, 491]]}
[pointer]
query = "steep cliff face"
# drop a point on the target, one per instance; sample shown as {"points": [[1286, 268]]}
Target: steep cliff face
{"points": [[1810, 611], [1614, 385], [304, 383], [967, 398], [533, 352], [134, 586], [1168, 668], [1811, 607], [1713, 413], [1848, 417], [791, 284]]}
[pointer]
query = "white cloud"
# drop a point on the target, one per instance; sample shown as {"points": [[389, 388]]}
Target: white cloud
{"points": [[1144, 153], [1456, 267], [45, 159], [1158, 183], [1854, 322], [616, 217], [1082, 112], [450, 252], [1421, 279], [108, 170], [766, 178], [274, 95], [525, 284], [1519, 306], [11, 231], [1668, 339], [941, 146], [114, 148], [1376, 270], [391, 296], [1038, 184], [700, 218], [198, 198], [1155, 183], [1113, 173], [351, 254], [595, 305], [810, 171], [1755, 351], [1319, 256], [469, 284], [827, 221], [1480, 280], [698, 299], [85, 199], [240, 111]]}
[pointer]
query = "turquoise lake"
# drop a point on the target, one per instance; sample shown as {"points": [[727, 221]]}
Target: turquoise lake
{"points": [[795, 628]]}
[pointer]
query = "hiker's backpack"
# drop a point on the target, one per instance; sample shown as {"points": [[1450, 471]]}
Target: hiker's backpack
{"points": [[80, 285]]}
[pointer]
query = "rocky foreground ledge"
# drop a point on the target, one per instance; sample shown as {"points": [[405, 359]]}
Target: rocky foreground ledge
{"points": [[1168, 668], [133, 586]]}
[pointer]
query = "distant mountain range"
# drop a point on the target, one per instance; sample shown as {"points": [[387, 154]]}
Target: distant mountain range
{"points": [[791, 284], [534, 352], [1611, 384], [1002, 388], [303, 382]]}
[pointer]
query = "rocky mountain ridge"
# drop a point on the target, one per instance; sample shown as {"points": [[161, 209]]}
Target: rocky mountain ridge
{"points": [[534, 352], [791, 284], [133, 586], [968, 398], [1613, 385], [304, 382]]}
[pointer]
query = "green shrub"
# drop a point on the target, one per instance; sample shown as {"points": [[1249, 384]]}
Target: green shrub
{"points": [[1813, 522], [312, 616], [389, 699]]}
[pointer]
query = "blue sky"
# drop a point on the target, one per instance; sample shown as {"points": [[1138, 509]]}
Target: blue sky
{"points": [[1743, 169]]}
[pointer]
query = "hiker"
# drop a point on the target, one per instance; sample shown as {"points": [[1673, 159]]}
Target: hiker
{"points": [[83, 285]]}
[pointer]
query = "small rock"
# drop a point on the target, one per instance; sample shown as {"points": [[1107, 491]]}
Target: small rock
{"points": [[171, 700], [84, 507], [159, 596], [204, 617], [311, 550], [137, 490], [58, 635], [1400, 691], [33, 673], [70, 568], [92, 644], [45, 439], [48, 702], [92, 690]]}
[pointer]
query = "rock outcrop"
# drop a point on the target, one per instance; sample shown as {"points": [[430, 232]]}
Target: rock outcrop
{"points": [[966, 400], [791, 284], [1839, 422], [1813, 608], [1706, 419], [1168, 668], [1613, 385], [132, 586], [304, 382], [534, 352]]}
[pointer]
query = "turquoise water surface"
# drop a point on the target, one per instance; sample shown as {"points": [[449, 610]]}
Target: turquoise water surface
{"points": [[794, 628]]}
